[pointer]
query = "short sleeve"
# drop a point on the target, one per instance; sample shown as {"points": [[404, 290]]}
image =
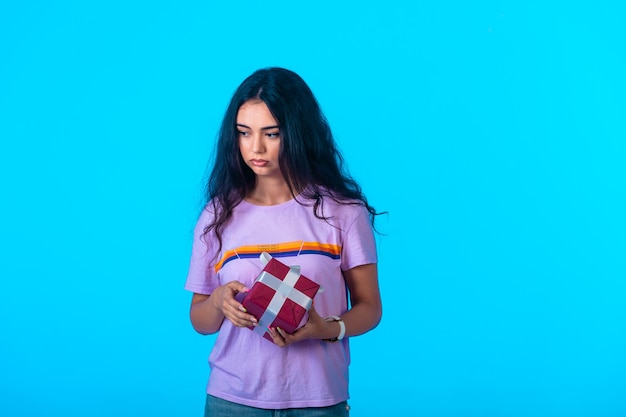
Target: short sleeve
{"points": [[201, 277], [359, 245]]}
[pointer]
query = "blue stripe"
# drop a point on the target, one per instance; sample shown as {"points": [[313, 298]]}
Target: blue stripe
{"points": [[319, 252], [282, 255]]}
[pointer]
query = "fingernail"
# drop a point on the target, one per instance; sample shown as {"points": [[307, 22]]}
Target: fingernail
{"points": [[242, 308]]}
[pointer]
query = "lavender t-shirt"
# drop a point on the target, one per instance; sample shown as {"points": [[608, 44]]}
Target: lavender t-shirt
{"points": [[245, 367]]}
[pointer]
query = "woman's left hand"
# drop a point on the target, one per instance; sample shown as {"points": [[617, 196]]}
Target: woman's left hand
{"points": [[364, 315], [315, 328]]}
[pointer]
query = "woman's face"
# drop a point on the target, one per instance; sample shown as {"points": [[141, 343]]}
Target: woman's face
{"points": [[259, 138]]}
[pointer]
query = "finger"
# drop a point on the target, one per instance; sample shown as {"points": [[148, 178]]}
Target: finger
{"points": [[282, 333], [238, 322], [290, 338], [246, 321], [279, 340], [238, 310], [239, 318], [237, 286]]}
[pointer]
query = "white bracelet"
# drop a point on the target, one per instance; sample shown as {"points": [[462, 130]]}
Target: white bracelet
{"points": [[342, 328]]}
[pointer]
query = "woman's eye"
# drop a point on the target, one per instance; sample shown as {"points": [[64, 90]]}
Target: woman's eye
{"points": [[242, 133], [273, 135]]}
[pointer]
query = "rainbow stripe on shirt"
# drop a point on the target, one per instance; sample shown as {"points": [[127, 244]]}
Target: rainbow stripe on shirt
{"points": [[280, 250]]}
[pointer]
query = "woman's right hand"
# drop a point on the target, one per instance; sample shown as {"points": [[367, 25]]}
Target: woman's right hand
{"points": [[223, 298]]}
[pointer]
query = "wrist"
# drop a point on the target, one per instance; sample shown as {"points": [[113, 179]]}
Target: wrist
{"points": [[342, 328], [215, 301]]}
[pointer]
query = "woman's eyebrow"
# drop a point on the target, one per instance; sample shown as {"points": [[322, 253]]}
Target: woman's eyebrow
{"points": [[263, 128]]}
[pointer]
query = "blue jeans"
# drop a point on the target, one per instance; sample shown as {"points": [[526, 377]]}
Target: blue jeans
{"points": [[217, 407]]}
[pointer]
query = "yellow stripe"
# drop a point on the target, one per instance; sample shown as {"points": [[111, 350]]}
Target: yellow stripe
{"points": [[249, 251]]}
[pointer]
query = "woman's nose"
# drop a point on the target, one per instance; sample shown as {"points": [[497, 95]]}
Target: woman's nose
{"points": [[257, 144]]}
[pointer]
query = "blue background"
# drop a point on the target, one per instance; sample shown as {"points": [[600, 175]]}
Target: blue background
{"points": [[493, 132]]}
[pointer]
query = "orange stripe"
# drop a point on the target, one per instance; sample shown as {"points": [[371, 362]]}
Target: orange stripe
{"points": [[278, 249]]}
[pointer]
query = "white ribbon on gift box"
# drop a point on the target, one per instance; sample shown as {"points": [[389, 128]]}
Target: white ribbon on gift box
{"points": [[284, 289]]}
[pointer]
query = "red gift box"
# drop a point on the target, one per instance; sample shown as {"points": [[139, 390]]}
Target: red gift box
{"points": [[279, 297]]}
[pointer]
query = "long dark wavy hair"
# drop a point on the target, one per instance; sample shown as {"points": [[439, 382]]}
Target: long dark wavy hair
{"points": [[309, 159]]}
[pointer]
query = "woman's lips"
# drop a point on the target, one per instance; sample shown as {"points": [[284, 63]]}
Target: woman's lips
{"points": [[258, 162]]}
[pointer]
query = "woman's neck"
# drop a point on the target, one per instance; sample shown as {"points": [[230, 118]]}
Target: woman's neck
{"points": [[269, 192]]}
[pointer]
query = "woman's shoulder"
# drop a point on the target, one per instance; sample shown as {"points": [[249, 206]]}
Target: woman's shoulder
{"points": [[210, 211], [340, 203], [337, 199], [216, 205], [337, 206], [210, 208]]}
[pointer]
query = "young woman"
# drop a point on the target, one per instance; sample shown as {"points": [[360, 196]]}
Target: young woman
{"points": [[278, 185]]}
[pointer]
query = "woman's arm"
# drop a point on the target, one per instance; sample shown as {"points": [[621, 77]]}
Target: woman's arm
{"points": [[364, 315], [208, 311], [366, 310]]}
